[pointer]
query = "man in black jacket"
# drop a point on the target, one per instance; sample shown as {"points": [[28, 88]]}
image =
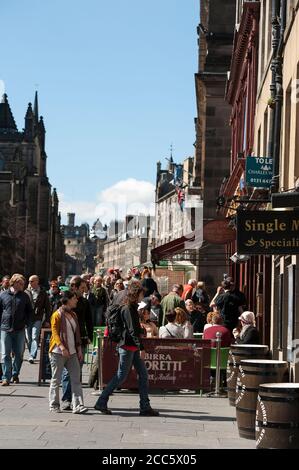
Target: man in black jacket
{"points": [[131, 353], [15, 312], [230, 305], [41, 311]]}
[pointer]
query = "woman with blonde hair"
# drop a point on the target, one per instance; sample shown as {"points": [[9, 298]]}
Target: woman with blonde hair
{"points": [[209, 320], [217, 327], [181, 319], [15, 314]]}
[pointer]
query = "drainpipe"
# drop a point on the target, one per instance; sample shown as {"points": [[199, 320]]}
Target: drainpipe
{"points": [[275, 42], [278, 64]]}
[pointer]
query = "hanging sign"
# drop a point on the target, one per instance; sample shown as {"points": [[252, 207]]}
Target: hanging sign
{"points": [[259, 171], [268, 232]]}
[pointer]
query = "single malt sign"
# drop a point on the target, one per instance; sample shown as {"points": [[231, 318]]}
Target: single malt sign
{"points": [[268, 232]]}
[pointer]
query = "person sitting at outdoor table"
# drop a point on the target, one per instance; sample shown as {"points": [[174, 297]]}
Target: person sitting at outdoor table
{"points": [[171, 330], [150, 328], [248, 333], [182, 320], [209, 321], [210, 333]]}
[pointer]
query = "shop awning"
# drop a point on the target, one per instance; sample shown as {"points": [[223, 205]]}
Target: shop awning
{"points": [[188, 242]]}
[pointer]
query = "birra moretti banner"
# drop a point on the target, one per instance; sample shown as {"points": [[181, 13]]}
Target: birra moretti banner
{"points": [[268, 232], [259, 171], [171, 364]]}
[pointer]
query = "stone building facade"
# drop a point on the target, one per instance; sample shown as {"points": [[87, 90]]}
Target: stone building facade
{"points": [[80, 250], [278, 100], [127, 243], [212, 147], [178, 216], [30, 236]]}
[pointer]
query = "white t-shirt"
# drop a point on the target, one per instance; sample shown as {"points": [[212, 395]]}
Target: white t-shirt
{"points": [[171, 330], [70, 330]]}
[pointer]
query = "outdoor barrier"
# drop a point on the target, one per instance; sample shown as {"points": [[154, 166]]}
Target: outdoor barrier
{"points": [[277, 416], [172, 364], [45, 372], [237, 353]]}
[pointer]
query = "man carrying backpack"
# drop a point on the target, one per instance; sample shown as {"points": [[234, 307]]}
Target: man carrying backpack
{"points": [[131, 353]]}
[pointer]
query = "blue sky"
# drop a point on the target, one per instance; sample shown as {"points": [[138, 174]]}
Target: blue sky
{"points": [[116, 87]]}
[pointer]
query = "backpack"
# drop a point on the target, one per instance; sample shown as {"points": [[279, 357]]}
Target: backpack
{"points": [[115, 323]]}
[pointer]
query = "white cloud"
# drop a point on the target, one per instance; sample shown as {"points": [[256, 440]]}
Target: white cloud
{"points": [[84, 210], [129, 196]]}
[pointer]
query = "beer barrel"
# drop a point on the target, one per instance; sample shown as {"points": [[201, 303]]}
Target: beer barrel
{"points": [[236, 354], [277, 416], [251, 374]]}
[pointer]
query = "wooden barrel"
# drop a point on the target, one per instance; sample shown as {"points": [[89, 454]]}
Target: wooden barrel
{"points": [[251, 374], [277, 416], [236, 354]]}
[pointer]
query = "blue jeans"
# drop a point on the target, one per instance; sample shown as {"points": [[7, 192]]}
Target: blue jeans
{"points": [[12, 342], [127, 359], [32, 336], [66, 384]]}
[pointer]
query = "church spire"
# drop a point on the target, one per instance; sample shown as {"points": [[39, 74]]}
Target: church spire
{"points": [[42, 133], [36, 107], [29, 124], [7, 122]]}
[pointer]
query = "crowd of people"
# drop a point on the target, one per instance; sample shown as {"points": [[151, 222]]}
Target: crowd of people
{"points": [[72, 311]]}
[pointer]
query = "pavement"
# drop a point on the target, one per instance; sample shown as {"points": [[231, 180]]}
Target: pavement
{"points": [[186, 421]]}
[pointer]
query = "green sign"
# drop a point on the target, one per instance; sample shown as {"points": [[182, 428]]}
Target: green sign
{"points": [[259, 171]]}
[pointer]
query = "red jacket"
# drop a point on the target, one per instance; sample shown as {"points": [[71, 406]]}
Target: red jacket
{"points": [[187, 293], [226, 338]]}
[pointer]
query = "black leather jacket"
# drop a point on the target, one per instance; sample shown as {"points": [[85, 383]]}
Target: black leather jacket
{"points": [[132, 329]]}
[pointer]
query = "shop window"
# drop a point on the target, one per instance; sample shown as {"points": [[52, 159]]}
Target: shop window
{"points": [[291, 311], [287, 136], [279, 311], [296, 96], [269, 48], [265, 134]]}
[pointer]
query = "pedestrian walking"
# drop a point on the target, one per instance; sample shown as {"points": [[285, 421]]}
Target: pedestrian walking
{"points": [[131, 353], [65, 351], [15, 313], [83, 312], [41, 312]]}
